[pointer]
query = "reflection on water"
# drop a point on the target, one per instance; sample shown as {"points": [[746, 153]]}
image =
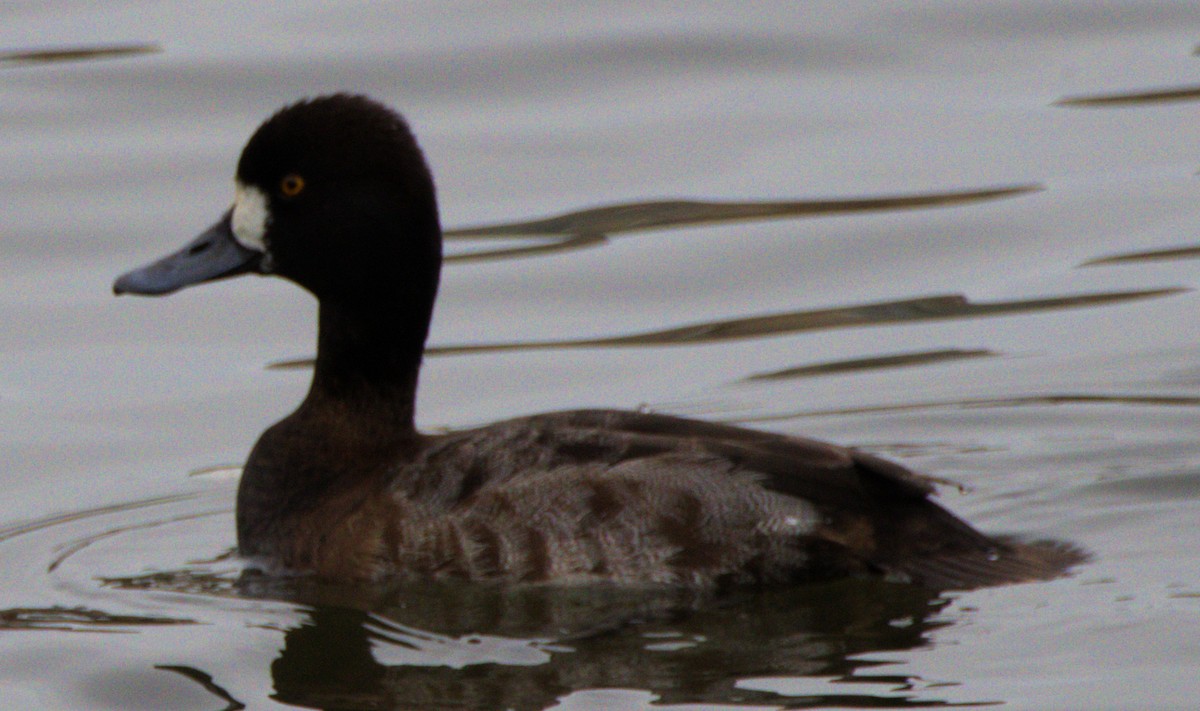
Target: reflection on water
{"points": [[194, 580], [929, 308], [592, 227], [898, 360], [1154, 255], [78, 619], [75, 54], [21, 529], [1139, 97], [1133, 98], [559, 244], [206, 682], [642, 216], [1008, 402], [578, 639], [44, 547]]}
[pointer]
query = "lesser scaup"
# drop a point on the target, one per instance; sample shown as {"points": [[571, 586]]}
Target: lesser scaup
{"points": [[334, 194]]}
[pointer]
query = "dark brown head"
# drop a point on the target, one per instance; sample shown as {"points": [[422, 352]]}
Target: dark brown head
{"points": [[332, 193]]}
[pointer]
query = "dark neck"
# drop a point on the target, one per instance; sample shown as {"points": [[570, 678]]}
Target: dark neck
{"points": [[355, 424], [368, 360]]}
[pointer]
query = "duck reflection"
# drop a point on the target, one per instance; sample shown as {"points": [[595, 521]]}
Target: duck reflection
{"points": [[462, 646]]}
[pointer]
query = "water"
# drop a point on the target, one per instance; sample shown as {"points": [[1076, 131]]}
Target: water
{"points": [[1038, 347]]}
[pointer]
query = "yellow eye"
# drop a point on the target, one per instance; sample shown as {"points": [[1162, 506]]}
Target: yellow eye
{"points": [[291, 185]]}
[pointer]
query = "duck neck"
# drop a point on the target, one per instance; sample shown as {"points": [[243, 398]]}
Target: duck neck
{"points": [[368, 360], [355, 421]]}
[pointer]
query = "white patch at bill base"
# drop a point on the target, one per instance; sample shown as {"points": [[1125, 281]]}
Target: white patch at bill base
{"points": [[250, 217]]}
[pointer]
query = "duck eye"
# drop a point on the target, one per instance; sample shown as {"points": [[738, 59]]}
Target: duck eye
{"points": [[291, 185]]}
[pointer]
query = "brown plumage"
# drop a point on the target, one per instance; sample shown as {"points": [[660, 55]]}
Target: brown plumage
{"points": [[631, 498]]}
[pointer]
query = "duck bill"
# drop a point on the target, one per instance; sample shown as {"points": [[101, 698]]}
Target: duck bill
{"points": [[215, 254]]}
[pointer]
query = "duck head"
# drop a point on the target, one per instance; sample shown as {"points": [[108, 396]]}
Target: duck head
{"points": [[332, 193]]}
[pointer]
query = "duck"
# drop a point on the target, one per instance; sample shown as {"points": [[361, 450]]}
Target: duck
{"points": [[334, 194]]}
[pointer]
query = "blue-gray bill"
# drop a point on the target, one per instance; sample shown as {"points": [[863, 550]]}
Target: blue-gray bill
{"points": [[215, 254]]}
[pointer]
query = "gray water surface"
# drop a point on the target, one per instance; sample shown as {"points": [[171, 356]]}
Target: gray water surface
{"points": [[962, 235]]}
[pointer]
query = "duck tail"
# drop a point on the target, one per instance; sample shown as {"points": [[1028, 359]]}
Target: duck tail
{"points": [[1009, 561]]}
